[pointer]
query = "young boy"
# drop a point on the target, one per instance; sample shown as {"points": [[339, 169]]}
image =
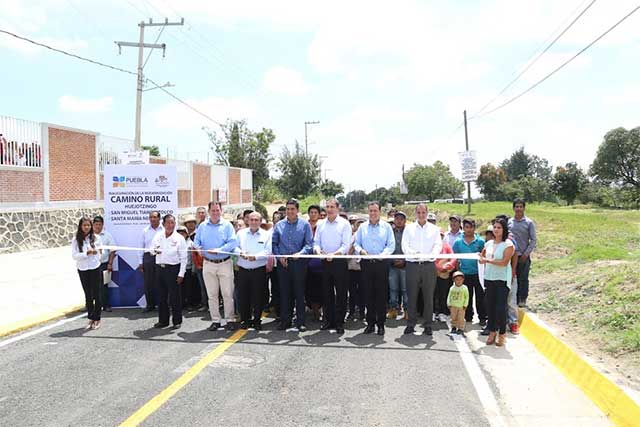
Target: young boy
{"points": [[457, 302]]}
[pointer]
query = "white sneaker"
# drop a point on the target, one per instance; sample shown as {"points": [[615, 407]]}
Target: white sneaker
{"points": [[442, 317], [434, 318]]}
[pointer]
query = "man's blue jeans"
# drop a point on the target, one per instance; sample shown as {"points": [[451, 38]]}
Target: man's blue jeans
{"points": [[292, 281], [397, 285]]}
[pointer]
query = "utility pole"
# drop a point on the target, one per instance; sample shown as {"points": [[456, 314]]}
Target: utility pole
{"points": [[306, 144], [466, 145], [322, 161], [141, 45]]}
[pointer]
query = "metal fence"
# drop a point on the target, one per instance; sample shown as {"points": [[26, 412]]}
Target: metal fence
{"points": [[20, 143], [109, 148]]}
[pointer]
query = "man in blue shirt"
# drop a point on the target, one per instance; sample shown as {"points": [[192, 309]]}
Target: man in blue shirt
{"points": [[292, 236], [375, 237], [471, 243], [216, 238]]}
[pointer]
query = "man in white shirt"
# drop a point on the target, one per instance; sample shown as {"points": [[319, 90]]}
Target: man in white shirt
{"points": [[333, 237], [421, 237], [148, 260], [106, 259], [254, 247], [455, 232], [170, 250]]}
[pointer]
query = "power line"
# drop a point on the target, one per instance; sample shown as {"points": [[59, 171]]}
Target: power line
{"points": [[530, 88], [111, 67], [73, 55], [151, 51], [534, 60]]}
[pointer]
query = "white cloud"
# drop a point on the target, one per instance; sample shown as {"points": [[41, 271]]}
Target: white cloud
{"points": [[629, 96], [72, 104], [283, 80], [175, 115]]}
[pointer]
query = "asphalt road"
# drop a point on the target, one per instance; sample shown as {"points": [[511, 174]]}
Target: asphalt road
{"points": [[66, 376]]}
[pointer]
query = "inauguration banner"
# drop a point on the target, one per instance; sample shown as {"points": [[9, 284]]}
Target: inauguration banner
{"points": [[130, 193]]}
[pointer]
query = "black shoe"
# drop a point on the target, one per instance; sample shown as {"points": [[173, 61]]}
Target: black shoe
{"points": [[257, 326], [369, 329], [380, 330], [340, 330], [483, 322], [485, 332], [177, 326], [245, 325], [148, 309], [454, 330], [427, 331], [325, 326], [160, 325], [301, 328], [214, 326], [409, 330], [284, 326], [461, 333], [231, 326]]}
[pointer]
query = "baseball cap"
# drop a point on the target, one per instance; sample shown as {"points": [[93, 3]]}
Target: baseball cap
{"points": [[181, 228], [400, 213], [458, 273], [456, 217], [431, 216], [353, 217], [489, 228]]}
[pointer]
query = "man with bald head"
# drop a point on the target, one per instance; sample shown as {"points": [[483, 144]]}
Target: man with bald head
{"points": [[254, 247], [421, 237]]}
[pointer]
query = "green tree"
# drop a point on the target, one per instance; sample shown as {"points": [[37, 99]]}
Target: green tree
{"points": [[490, 180], [300, 172], [530, 188], [330, 188], [433, 182], [386, 195], [521, 164], [353, 200], [568, 182], [154, 150], [237, 146], [618, 158]]}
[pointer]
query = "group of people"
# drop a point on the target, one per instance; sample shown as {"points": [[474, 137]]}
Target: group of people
{"points": [[238, 270]]}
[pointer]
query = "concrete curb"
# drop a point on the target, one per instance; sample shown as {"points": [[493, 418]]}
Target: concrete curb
{"points": [[30, 322], [619, 407]]}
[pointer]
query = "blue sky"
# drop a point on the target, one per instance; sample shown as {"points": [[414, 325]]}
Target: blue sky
{"points": [[387, 80]]}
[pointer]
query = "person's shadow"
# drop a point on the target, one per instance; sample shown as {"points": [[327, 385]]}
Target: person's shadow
{"points": [[321, 338], [73, 333], [366, 340]]}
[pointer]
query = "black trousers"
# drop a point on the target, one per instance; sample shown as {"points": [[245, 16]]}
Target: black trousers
{"points": [[473, 284], [441, 294], [314, 291], [375, 278], [150, 286], [169, 293], [334, 286], [190, 290], [105, 287], [275, 290], [497, 294], [250, 283], [92, 287]]}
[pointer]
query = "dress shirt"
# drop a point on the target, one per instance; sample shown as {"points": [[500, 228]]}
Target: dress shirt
{"points": [[107, 240], [376, 239], [292, 237], [85, 262], [451, 238], [333, 236], [421, 239], [256, 244], [148, 233], [524, 232], [469, 266], [171, 250], [219, 236]]}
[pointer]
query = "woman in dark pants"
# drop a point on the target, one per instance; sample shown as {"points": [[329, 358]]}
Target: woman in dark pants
{"points": [[496, 256], [87, 257]]}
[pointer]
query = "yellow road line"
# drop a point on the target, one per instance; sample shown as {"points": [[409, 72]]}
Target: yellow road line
{"points": [[603, 392], [154, 404], [30, 322]]}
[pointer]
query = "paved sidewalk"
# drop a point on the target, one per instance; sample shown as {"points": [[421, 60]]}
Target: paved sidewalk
{"points": [[35, 284]]}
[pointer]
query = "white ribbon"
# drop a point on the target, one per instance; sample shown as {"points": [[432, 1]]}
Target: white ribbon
{"points": [[410, 257]]}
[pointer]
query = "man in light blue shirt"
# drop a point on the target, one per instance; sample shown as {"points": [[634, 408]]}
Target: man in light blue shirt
{"points": [[333, 237], [375, 237], [215, 238], [292, 236], [254, 246]]}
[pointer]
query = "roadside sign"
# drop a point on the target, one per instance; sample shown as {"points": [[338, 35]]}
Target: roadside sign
{"points": [[469, 165]]}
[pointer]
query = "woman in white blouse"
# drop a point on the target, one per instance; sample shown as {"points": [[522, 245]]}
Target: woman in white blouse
{"points": [[87, 257]]}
